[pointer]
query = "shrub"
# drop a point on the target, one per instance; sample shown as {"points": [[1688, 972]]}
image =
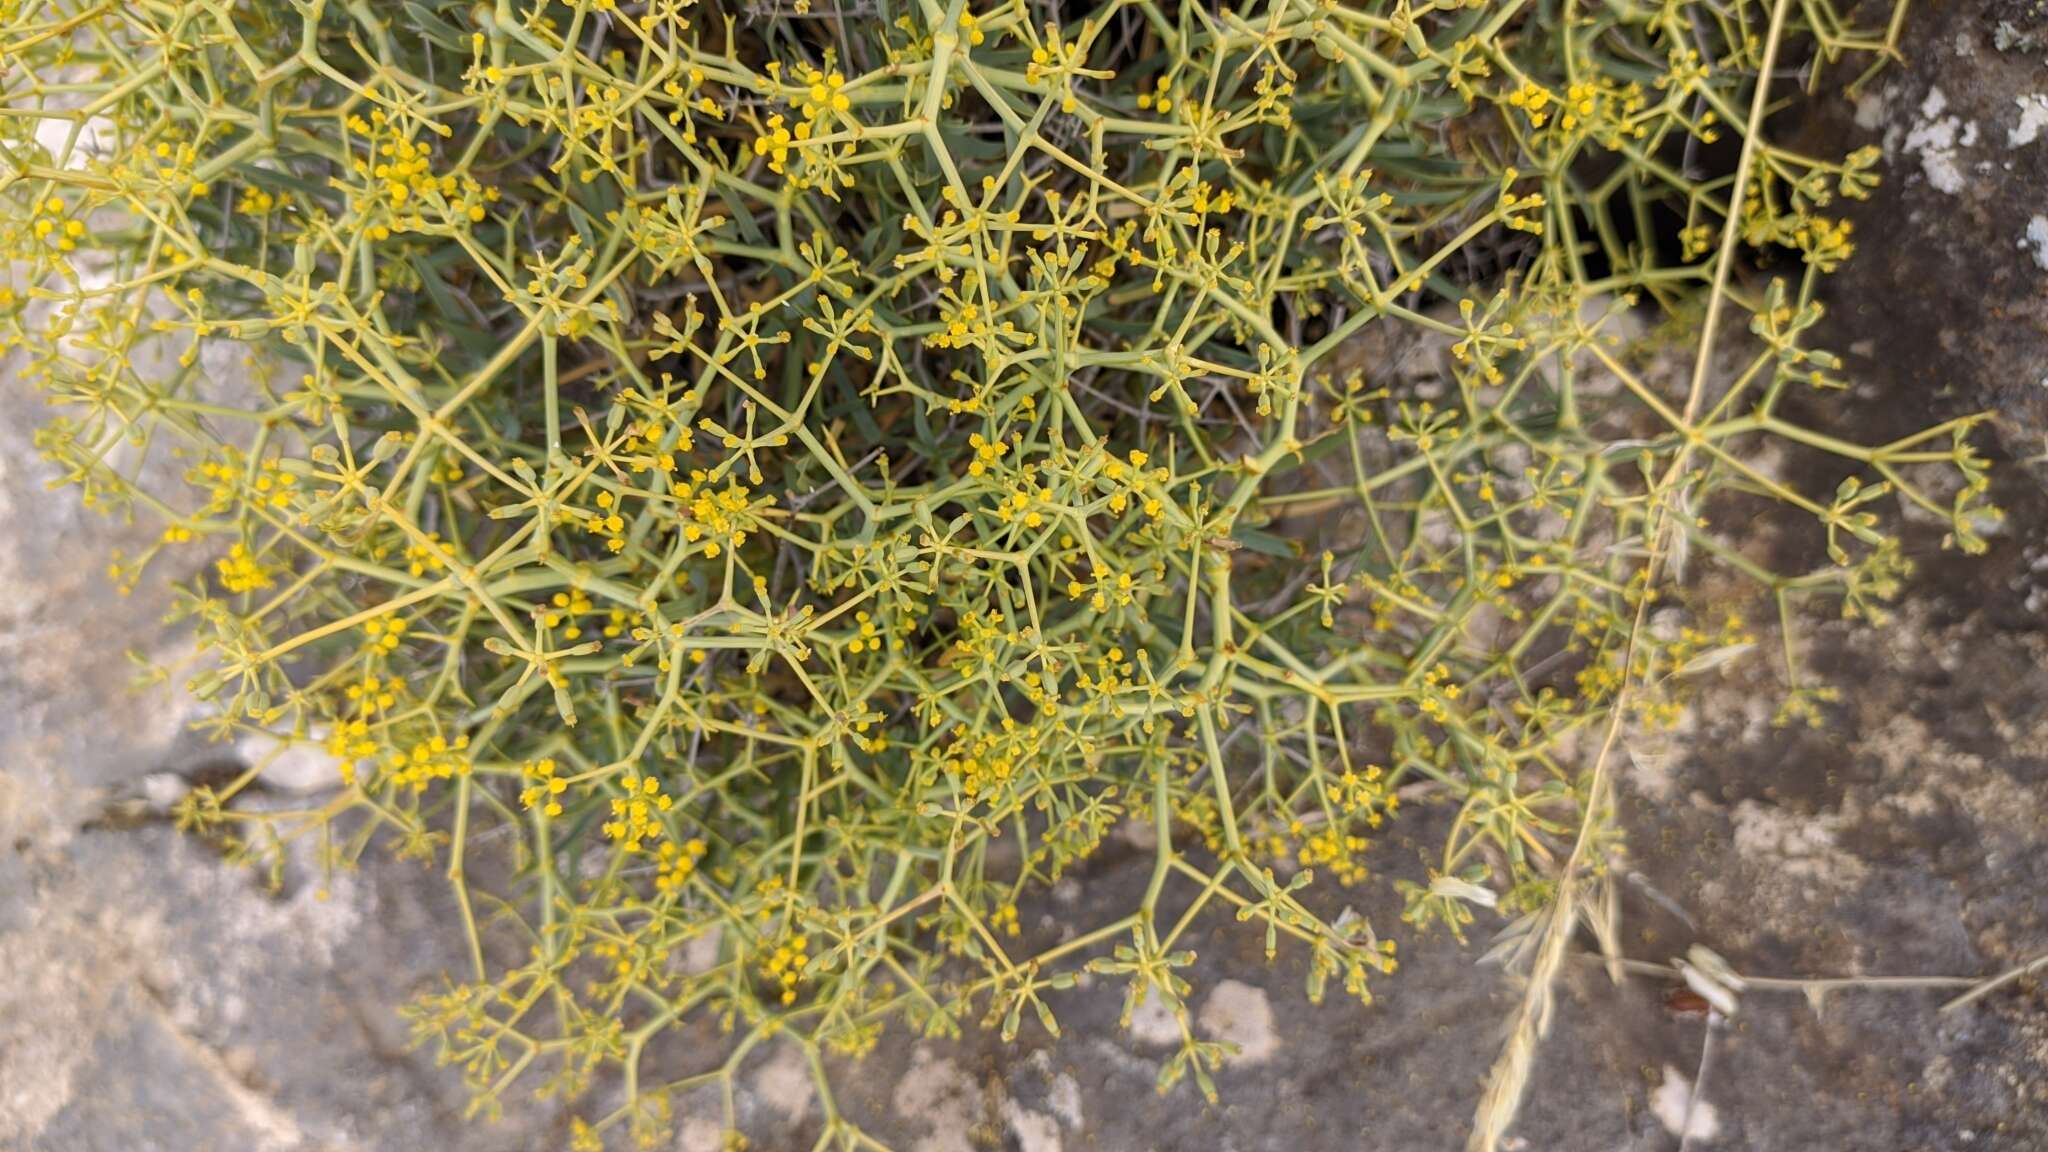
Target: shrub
{"points": [[803, 477]]}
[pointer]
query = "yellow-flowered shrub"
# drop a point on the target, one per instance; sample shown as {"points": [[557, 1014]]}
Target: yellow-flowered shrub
{"points": [[784, 486]]}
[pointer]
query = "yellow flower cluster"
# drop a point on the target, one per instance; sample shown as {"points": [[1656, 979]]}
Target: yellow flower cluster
{"points": [[241, 571], [718, 517], [426, 761], [385, 633], [784, 966], [397, 189], [637, 812], [545, 787], [677, 863]]}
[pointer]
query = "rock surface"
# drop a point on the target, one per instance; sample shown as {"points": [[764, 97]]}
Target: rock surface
{"points": [[157, 998], [1952, 257]]}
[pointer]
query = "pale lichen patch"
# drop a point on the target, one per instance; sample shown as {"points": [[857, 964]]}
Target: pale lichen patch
{"points": [[1681, 1114], [1238, 1013]]}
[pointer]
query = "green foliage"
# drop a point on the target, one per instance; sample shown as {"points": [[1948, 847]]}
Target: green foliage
{"points": [[782, 486]]}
